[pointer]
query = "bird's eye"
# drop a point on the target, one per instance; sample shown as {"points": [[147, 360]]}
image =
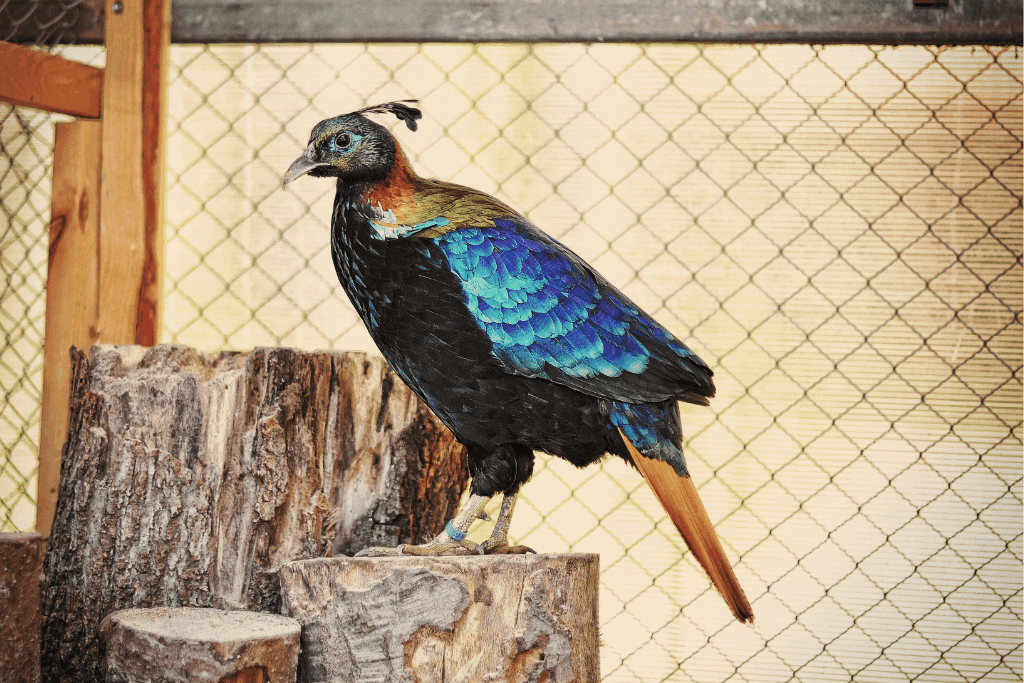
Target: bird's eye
{"points": [[343, 141]]}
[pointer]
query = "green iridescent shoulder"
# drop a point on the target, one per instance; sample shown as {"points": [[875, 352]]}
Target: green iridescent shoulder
{"points": [[436, 208]]}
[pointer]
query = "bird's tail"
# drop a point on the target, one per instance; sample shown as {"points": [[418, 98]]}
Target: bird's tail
{"points": [[679, 498]]}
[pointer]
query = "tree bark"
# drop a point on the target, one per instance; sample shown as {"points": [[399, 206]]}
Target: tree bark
{"points": [[21, 563], [188, 645], [189, 479], [508, 618]]}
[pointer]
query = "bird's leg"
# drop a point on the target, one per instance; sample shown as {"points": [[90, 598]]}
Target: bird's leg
{"points": [[497, 544], [451, 541]]}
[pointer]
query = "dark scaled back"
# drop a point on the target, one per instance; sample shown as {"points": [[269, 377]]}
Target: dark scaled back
{"points": [[401, 109]]}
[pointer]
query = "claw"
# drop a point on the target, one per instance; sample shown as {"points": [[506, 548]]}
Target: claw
{"points": [[503, 548]]}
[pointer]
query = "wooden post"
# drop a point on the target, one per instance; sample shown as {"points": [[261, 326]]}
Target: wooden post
{"points": [[157, 29], [21, 563], [510, 618], [122, 200], [71, 293], [189, 479], [200, 646], [105, 277]]}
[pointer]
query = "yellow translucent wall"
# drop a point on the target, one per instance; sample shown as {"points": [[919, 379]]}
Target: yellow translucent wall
{"points": [[836, 230]]}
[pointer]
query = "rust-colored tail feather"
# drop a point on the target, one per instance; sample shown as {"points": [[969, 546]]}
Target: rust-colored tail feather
{"points": [[679, 498]]}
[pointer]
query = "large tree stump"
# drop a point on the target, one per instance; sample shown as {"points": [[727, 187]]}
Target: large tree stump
{"points": [[500, 618], [187, 480], [189, 645], [21, 564]]}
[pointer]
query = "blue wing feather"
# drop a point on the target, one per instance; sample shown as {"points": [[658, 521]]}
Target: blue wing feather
{"points": [[550, 315]]}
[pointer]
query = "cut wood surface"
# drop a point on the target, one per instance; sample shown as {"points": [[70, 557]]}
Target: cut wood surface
{"points": [[188, 479], [33, 78], [508, 618], [21, 563], [189, 645]]}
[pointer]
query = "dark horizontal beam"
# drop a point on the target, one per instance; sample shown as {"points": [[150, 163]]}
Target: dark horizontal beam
{"points": [[759, 21], [51, 22], [935, 22]]}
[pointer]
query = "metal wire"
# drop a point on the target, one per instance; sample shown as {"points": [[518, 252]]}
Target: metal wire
{"points": [[24, 199], [837, 230], [45, 23], [26, 153]]}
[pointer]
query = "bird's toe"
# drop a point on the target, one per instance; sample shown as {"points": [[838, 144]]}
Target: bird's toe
{"points": [[521, 550], [444, 547], [501, 547], [379, 551]]}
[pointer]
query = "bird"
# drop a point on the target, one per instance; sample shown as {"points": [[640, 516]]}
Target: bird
{"points": [[514, 342]]}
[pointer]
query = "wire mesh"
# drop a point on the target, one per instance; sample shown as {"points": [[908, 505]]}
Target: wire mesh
{"points": [[46, 23], [25, 147], [26, 154], [837, 230]]}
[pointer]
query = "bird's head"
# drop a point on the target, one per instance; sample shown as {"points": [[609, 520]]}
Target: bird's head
{"points": [[351, 147]]}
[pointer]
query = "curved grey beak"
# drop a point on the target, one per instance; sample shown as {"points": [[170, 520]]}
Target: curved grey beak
{"points": [[301, 166]]}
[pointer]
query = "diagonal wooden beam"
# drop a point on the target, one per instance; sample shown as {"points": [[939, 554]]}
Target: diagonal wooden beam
{"points": [[32, 78]]}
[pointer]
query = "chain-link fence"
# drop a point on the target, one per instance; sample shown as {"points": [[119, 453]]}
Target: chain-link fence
{"points": [[837, 230], [26, 154], [26, 145], [48, 23]]}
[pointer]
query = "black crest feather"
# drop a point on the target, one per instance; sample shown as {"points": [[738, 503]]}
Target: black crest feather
{"points": [[401, 109]]}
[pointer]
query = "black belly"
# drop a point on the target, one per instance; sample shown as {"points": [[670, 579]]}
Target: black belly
{"points": [[427, 334]]}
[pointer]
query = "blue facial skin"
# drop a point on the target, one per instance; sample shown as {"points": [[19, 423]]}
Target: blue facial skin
{"points": [[344, 142]]}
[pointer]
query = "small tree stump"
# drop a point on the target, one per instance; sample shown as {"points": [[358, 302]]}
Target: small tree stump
{"points": [[501, 618], [166, 644], [21, 565], [186, 480]]}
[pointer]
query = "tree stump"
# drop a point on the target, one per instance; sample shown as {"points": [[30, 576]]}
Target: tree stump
{"points": [[501, 618], [168, 644], [186, 480], [21, 564]]}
